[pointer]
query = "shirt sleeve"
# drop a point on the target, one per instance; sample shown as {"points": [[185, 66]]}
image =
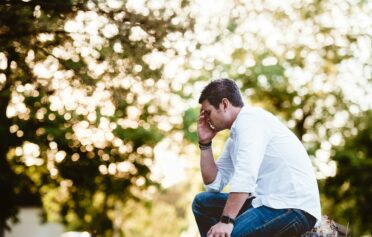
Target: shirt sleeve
{"points": [[251, 141], [225, 170]]}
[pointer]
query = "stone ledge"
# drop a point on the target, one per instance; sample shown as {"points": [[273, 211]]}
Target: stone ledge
{"points": [[328, 228]]}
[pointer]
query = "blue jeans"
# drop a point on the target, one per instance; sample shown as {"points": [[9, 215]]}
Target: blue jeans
{"points": [[262, 221]]}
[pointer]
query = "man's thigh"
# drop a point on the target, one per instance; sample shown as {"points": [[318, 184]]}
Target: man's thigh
{"points": [[268, 222], [213, 203]]}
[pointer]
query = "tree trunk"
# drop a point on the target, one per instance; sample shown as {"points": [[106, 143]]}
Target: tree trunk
{"points": [[2, 230]]}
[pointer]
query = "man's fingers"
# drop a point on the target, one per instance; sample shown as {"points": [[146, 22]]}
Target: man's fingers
{"points": [[201, 119]]}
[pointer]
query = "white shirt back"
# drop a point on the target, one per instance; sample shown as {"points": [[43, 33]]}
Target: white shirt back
{"points": [[263, 157]]}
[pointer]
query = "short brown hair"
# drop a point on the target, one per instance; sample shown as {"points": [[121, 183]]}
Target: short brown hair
{"points": [[218, 89]]}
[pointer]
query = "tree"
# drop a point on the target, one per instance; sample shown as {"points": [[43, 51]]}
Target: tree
{"points": [[79, 115], [349, 190]]}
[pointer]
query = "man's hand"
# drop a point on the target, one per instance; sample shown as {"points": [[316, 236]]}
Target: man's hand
{"points": [[220, 230], [205, 132]]}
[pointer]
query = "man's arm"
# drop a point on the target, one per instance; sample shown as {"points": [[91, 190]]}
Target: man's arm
{"points": [[208, 166], [234, 203], [223, 167]]}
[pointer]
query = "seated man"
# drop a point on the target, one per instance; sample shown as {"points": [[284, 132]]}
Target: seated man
{"points": [[273, 188]]}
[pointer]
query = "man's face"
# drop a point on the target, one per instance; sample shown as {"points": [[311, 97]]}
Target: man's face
{"points": [[215, 117]]}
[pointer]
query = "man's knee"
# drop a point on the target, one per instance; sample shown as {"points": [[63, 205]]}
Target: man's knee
{"points": [[208, 200], [198, 201], [201, 199]]}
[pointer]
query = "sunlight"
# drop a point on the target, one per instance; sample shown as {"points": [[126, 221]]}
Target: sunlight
{"points": [[30, 154], [210, 21], [113, 86], [3, 61], [114, 4], [168, 167]]}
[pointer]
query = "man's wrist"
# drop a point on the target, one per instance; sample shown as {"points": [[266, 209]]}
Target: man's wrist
{"points": [[205, 145], [227, 220], [205, 141]]}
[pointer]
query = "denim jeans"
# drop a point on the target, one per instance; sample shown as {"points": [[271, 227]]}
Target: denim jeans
{"points": [[262, 221]]}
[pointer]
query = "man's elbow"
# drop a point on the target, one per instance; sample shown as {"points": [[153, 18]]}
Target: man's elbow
{"points": [[209, 179]]}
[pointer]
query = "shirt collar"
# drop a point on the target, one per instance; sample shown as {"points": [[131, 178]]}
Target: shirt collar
{"points": [[233, 126]]}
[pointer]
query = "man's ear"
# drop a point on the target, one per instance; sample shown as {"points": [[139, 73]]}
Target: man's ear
{"points": [[225, 103]]}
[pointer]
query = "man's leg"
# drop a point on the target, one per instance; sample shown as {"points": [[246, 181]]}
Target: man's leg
{"points": [[207, 208], [268, 222]]}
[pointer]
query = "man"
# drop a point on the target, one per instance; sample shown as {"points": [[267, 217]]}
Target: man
{"points": [[273, 188]]}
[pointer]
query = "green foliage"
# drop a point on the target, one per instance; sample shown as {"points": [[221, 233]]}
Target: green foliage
{"points": [[91, 140], [349, 190], [139, 135], [92, 154], [189, 124], [164, 216]]}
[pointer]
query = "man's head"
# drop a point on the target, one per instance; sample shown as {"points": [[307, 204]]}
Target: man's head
{"points": [[218, 89], [221, 102]]}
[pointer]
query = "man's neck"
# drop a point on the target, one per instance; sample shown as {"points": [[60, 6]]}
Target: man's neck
{"points": [[234, 114]]}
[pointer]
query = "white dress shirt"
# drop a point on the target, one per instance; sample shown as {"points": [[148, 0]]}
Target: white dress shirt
{"points": [[264, 158]]}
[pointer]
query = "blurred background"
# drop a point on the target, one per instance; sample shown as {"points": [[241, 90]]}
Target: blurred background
{"points": [[98, 106]]}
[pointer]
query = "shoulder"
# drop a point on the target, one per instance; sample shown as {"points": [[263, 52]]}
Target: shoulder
{"points": [[254, 121], [249, 116]]}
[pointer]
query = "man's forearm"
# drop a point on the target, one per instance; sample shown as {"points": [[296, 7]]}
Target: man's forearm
{"points": [[234, 203], [208, 166]]}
